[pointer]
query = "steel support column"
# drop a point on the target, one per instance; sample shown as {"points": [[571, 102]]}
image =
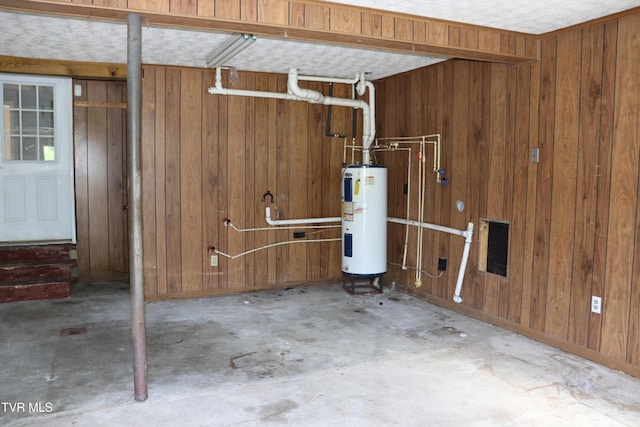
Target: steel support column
{"points": [[134, 101]]}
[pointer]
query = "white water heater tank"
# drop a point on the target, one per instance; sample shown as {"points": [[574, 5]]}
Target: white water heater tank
{"points": [[364, 220]]}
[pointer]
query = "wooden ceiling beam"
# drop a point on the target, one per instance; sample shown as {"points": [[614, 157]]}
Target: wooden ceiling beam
{"points": [[309, 20]]}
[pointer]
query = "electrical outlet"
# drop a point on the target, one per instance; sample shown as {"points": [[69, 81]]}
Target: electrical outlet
{"points": [[299, 234], [214, 260], [442, 264], [596, 304]]}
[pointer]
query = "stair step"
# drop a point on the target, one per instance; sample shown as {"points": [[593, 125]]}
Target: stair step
{"points": [[36, 291], [10, 255], [33, 273]]}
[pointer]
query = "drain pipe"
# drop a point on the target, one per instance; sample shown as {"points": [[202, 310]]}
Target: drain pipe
{"points": [[267, 217], [315, 97], [218, 89], [467, 234]]}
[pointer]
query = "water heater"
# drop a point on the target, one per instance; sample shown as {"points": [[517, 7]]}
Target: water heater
{"points": [[364, 221]]}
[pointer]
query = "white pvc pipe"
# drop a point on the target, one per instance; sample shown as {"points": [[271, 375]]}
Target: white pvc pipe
{"points": [[467, 234], [353, 81], [457, 298], [315, 97], [267, 213], [219, 90]]}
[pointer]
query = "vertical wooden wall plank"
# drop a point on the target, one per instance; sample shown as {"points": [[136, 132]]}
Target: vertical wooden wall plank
{"points": [[563, 189], [403, 29], [192, 245], [172, 179], [81, 169], [590, 108], [154, 5], [316, 17], [495, 173], [283, 181], [543, 195], [211, 215], [183, 7], [272, 155], [273, 11], [316, 267], [261, 171], [148, 157], [605, 145], [459, 163], [345, 20], [227, 9], [249, 10], [471, 287], [160, 181], [624, 189], [98, 170], [224, 264], [236, 161], [521, 193], [250, 181]]}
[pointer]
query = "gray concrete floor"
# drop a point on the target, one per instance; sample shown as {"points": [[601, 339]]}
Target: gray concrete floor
{"points": [[304, 356]]}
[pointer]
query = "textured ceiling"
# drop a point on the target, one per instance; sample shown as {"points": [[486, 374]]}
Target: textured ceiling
{"points": [[527, 16], [101, 41], [38, 36]]}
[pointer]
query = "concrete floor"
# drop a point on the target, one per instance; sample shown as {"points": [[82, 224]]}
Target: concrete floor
{"points": [[305, 357]]}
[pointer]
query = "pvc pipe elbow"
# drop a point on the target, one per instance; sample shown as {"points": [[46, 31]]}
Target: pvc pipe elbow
{"points": [[267, 216], [457, 299]]}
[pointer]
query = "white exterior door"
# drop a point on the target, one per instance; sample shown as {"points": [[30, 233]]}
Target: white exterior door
{"points": [[36, 168]]}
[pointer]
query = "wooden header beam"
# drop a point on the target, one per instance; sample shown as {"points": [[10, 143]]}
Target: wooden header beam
{"points": [[309, 20]]}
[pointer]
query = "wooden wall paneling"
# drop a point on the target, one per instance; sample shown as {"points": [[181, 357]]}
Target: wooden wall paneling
{"points": [[117, 182], [316, 267], [317, 16], [388, 29], [109, 3], [496, 173], [160, 233], [283, 158], [519, 214], [437, 33], [459, 163], [543, 194], [624, 190], [412, 95], [298, 169], [153, 5], [437, 94], [445, 200], [183, 7], [419, 31], [340, 124], [98, 194], [273, 11], [206, 8], [148, 166], [509, 289], [532, 180], [454, 35], [248, 10], [629, 132], [237, 196], [563, 189], [191, 244], [81, 176], [403, 29], [586, 197], [483, 180], [223, 189], [296, 14], [250, 181], [225, 9], [471, 286], [261, 180], [272, 152], [173, 186], [345, 20], [605, 144], [211, 215], [469, 38], [489, 41]]}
